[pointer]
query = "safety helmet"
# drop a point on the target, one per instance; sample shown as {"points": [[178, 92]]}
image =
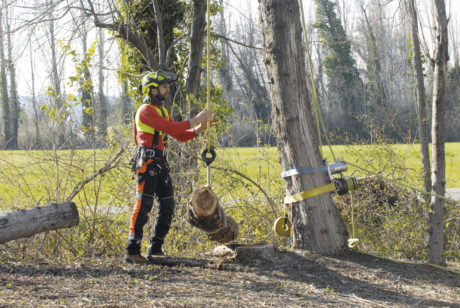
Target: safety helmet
{"points": [[155, 79]]}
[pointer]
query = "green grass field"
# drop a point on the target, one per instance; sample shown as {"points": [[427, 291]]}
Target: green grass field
{"points": [[34, 175], [387, 160]]}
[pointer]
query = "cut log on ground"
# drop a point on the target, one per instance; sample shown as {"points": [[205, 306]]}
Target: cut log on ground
{"points": [[39, 219], [251, 253], [205, 213], [172, 261]]}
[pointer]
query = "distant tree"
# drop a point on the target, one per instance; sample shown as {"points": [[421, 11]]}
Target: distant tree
{"points": [[6, 115], [420, 95], [101, 123], [344, 86], [86, 88], [436, 240], [37, 142], [452, 105], [13, 97]]}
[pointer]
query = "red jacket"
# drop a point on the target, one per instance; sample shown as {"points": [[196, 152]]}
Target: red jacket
{"points": [[152, 118]]}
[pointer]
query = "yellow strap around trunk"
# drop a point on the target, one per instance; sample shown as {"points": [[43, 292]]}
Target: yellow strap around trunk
{"points": [[310, 193]]}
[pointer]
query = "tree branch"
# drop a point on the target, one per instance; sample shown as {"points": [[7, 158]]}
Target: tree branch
{"points": [[236, 42], [108, 166]]}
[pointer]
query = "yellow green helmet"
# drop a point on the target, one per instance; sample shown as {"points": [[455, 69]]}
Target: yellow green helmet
{"points": [[155, 79]]}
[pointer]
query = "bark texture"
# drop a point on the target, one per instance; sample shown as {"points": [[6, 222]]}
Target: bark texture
{"points": [[196, 48], [317, 224], [39, 219], [205, 213], [438, 177], [421, 102]]}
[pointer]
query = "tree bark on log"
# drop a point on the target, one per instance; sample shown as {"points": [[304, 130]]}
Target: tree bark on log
{"points": [[317, 224], [205, 213], [39, 219]]}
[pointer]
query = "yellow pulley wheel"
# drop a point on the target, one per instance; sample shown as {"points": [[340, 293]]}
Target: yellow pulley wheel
{"points": [[282, 226]]}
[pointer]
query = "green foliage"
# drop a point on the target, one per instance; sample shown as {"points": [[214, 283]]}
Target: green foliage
{"points": [[344, 83], [389, 219]]}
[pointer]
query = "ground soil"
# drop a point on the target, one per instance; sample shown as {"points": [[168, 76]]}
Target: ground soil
{"points": [[290, 279]]}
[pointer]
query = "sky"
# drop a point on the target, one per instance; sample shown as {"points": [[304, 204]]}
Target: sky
{"points": [[236, 10]]}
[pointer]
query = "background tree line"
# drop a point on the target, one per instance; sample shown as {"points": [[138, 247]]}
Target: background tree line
{"points": [[363, 67]]}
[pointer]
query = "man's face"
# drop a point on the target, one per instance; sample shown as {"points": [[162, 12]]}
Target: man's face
{"points": [[163, 88]]}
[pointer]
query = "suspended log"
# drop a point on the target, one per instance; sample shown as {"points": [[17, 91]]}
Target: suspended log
{"points": [[39, 219], [205, 213]]}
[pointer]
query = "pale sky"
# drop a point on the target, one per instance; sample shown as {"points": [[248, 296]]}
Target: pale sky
{"points": [[237, 9]]}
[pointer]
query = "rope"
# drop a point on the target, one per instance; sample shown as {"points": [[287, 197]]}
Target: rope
{"points": [[318, 115], [208, 67]]}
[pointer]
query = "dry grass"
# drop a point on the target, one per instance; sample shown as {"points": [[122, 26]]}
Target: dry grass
{"points": [[294, 279]]}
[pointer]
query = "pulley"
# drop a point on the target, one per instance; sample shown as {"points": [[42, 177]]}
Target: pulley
{"points": [[208, 155]]}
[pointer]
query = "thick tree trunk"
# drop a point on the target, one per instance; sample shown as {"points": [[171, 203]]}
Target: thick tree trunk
{"points": [[438, 177], [421, 102], [205, 213], [28, 222], [196, 48], [317, 224]]}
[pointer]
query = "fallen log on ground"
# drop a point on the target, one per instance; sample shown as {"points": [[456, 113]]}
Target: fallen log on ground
{"points": [[205, 213], [39, 219]]}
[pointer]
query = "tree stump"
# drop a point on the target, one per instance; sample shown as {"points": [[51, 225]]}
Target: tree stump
{"points": [[39, 219], [205, 213]]}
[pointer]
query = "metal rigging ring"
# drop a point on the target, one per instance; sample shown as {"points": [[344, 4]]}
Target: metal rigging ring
{"points": [[208, 159]]}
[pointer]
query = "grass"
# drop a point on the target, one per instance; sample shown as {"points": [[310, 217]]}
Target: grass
{"points": [[32, 174], [398, 160]]}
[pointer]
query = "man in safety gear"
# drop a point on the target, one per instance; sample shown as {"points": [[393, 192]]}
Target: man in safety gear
{"points": [[152, 123]]}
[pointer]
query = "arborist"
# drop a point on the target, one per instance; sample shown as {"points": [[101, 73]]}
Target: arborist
{"points": [[151, 126]]}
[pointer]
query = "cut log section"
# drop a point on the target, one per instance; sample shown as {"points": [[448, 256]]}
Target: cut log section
{"points": [[39, 219], [205, 213]]}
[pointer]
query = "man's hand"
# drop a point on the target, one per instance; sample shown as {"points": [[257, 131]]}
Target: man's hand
{"points": [[203, 116], [204, 125]]}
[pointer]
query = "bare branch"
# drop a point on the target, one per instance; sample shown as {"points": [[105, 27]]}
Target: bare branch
{"points": [[236, 42], [161, 42], [108, 166]]}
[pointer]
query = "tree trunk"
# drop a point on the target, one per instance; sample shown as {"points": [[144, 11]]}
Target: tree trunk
{"points": [[438, 177], [102, 106], [421, 102], [196, 54], [13, 98], [87, 101], [205, 213], [36, 143], [28, 222], [6, 125], [317, 224]]}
